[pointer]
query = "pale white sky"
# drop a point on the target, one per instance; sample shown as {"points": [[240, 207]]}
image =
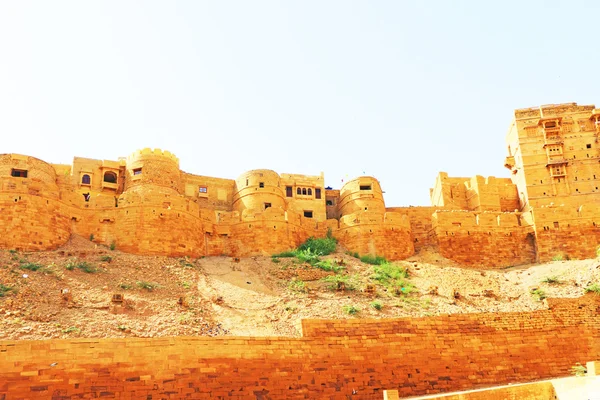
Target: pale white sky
{"points": [[398, 89]]}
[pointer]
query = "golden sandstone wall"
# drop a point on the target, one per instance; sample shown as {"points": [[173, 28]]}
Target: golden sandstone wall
{"points": [[550, 205], [334, 359]]}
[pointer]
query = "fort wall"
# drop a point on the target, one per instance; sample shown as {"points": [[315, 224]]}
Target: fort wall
{"points": [[350, 359]]}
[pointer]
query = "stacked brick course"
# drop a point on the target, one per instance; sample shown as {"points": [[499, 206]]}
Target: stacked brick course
{"points": [[335, 359]]}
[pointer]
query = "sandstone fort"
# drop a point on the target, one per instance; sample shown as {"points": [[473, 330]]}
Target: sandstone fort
{"points": [[144, 204]]}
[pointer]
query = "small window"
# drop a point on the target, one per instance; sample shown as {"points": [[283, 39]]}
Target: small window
{"points": [[86, 180], [86, 196], [329, 202], [111, 177], [19, 173], [304, 191], [267, 205], [246, 182], [308, 214], [551, 124], [261, 184], [137, 171], [289, 192], [317, 193], [298, 191], [365, 187], [588, 146], [556, 224], [202, 189], [309, 191]]}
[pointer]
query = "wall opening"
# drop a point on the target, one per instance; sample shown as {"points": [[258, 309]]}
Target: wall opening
{"points": [[317, 193], [588, 146], [298, 191], [555, 224], [202, 189], [309, 191], [308, 214], [86, 179], [86, 196], [289, 191], [304, 191], [329, 202], [18, 173], [267, 205], [365, 187], [261, 184]]}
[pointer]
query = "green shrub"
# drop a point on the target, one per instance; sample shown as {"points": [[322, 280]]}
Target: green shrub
{"points": [[4, 289], [377, 305], [578, 370], [319, 246], [539, 294], [91, 237], [341, 282], [31, 266], [557, 257], [106, 258], [327, 265], [351, 310], [297, 285], [393, 277], [13, 251], [113, 245], [552, 280], [125, 286], [275, 260], [373, 260], [149, 286], [284, 254], [308, 256], [595, 288], [84, 266]]}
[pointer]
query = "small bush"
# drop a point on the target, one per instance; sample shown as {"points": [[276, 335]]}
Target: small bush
{"points": [[149, 286], [351, 310], [4, 289], [539, 294], [578, 370], [341, 282], [319, 246], [557, 257], [91, 237], [393, 277], [31, 266], [13, 251], [284, 254], [113, 245], [377, 305], [275, 260], [552, 280], [355, 254], [125, 286], [373, 260], [106, 258], [84, 266], [297, 285], [327, 265], [308, 256], [594, 287]]}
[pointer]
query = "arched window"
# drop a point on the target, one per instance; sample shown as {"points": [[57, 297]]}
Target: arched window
{"points": [[304, 191], [309, 191], [86, 180], [110, 177], [298, 191]]}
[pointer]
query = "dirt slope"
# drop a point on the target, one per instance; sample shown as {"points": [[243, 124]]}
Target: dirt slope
{"points": [[255, 296]]}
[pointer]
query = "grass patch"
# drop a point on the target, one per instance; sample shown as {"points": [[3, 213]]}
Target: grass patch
{"points": [[538, 294], [351, 310], [373, 260], [31, 266], [149, 286], [355, 254], [393, 277], [4, 289], [552, 280], [308, 256], [557, 257], [298, 286], [319, 246], [71, 329], [113, 245], [106, 258], [341, 282], [327, 265], [594, 287], [377, 305], [82, 265], [125, 286], [285, 254], [275, 260]]}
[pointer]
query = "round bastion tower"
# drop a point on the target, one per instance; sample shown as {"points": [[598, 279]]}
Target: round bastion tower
{"points": [[258, 190], [153, 167], [361, 194]]}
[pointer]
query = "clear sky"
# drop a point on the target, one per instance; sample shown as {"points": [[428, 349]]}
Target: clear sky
{"points": [[396, 89]]}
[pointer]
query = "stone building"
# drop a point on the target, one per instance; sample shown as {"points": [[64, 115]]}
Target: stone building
{"points": [[145, 204]]}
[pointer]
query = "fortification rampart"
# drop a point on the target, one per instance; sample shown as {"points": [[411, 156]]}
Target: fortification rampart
{"points": [[350, 359]]}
